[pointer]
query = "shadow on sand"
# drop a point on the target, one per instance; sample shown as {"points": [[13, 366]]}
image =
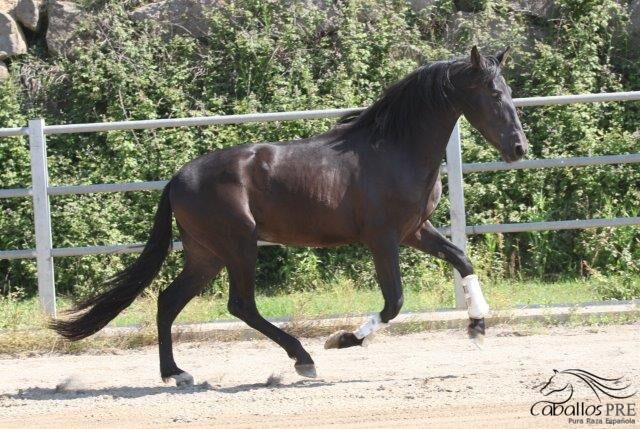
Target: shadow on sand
{"points": [[69, 393]]}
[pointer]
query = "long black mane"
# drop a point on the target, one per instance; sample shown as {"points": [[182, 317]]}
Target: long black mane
{"points": [[427, 90]]}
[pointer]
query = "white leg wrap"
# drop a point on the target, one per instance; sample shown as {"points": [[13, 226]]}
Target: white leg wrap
{"points": [[183, 379], [476, 304], [369, 327]]}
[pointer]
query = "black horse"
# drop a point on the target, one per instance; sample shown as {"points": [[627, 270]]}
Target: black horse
{"points": [[373, 179]]}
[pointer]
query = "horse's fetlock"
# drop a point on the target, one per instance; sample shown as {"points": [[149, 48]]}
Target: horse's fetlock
{"points": [[391, 309]]}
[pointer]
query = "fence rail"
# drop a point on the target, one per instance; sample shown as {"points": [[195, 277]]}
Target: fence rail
{"points": [[40, 191]]}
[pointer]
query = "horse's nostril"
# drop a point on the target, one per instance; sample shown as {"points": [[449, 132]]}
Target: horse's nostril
{"points": [[519, 149]]}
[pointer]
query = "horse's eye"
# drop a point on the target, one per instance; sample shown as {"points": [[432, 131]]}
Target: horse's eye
{"points": [[497, 95]]}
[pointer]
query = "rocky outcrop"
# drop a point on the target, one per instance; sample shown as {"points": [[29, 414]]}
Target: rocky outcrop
{"points": [[190, 17], [537, 8], [178, 16], [4, 72], [27, 13], [64, 18], [8, 5], [418, 5], [470, 5], [634, 18], [12, 41]]}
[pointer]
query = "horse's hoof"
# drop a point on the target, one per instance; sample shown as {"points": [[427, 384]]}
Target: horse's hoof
{"points": [[366, 341], [184, 379], [476, 331], [478, 341], [342, 340], [306, 370], [333, 342]]}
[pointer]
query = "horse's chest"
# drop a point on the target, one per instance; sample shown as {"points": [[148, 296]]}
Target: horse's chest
{"points": [[409, 203]]}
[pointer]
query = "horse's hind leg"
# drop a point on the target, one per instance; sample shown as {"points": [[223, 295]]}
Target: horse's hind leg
{"points": [[200, 268], [242, 304], [429, 240]]}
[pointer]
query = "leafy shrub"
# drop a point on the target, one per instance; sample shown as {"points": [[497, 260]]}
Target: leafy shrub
{"points": [[618, 288], [278, 55]]}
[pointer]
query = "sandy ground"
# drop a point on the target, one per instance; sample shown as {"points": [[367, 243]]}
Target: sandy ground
{"points": [[436, 379]]}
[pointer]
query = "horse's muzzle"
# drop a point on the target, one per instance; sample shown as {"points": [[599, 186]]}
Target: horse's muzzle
{"points": [[515, 148]]}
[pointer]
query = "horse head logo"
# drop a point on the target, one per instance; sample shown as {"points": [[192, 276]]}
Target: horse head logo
{"points": [[564, 381]]}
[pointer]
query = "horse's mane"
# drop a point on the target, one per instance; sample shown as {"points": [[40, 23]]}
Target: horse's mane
{"points": [[427, 89]]}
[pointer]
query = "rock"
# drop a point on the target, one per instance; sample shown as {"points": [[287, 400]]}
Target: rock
{"points": [[12, 41], [178, 16], [470, 5], [634, 17], [28, 13], [8, 6], [4, 72], [631, 34], [538, 8], [64, 18], [418, 5], [462, 28], [493, 32]]}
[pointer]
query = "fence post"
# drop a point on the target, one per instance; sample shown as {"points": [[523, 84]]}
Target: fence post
{"points": [[42, 216], [456, 211]]}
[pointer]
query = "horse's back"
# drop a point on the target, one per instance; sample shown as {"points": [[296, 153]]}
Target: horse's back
{"points": [[296, 193], [305, 193]]}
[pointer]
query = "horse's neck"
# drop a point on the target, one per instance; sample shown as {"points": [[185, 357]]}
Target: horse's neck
{"points": [[428, 144]]}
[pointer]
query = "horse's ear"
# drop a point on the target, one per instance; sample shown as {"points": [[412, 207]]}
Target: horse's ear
{"points": [[476, 59], [502, 56], [555, 371]]}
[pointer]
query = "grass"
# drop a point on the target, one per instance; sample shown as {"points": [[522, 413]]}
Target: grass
{"points": [[21, 323], [340, 299]]}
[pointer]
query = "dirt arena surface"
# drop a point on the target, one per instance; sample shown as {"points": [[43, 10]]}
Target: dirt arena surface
{"points": [[437, 379]]}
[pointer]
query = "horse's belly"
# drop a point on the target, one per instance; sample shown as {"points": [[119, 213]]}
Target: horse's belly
{"points": [[305, 238], [305, 225], [302, 203]]}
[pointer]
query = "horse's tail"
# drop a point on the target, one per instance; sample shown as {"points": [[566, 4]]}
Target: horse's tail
{"points": [[93, 314]]}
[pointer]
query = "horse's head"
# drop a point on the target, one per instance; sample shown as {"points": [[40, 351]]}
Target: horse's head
{"points": [[483, 96], [557, 383]]}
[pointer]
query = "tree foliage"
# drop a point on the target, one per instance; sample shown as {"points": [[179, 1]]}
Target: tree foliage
{"points": [[265, 56]]}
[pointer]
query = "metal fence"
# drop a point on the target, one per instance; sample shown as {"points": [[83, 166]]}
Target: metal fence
{"points": [[40, 191]]}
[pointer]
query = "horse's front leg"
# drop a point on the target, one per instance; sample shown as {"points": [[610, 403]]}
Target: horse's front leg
{"points": [[386, 260], [429, 240]]}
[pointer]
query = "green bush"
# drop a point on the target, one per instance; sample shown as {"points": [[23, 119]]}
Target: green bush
{"points": [[618, 288], [277, 55]]}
